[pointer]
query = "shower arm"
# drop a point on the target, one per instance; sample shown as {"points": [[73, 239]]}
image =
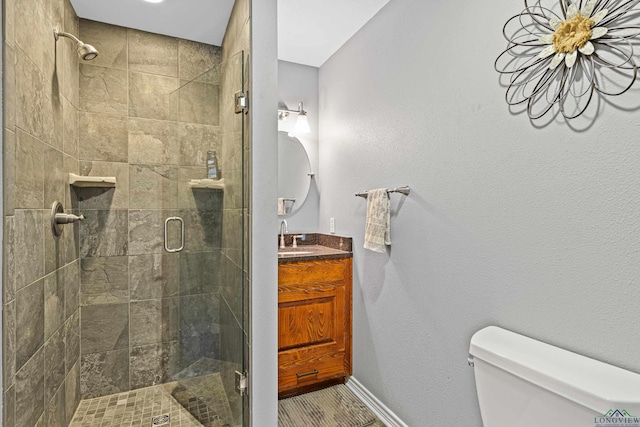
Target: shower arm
{"points": [[58, 34]]}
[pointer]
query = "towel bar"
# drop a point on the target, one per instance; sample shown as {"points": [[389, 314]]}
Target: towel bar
{"points": [[404, 190]]}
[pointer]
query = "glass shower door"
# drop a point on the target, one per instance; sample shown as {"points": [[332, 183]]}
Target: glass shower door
{"points": [[207, 235]]}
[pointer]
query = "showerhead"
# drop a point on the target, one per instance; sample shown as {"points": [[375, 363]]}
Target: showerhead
{"points": [[86, 52]]}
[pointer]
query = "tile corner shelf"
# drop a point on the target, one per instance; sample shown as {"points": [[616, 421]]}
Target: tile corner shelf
{"points": [[209, 184], [91, 181]]}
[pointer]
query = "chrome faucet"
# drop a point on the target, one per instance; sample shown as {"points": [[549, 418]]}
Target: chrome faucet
{"points": [[284, 228]]}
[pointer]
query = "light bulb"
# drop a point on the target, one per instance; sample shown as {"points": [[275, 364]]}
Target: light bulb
{"points": [[302, 124]]}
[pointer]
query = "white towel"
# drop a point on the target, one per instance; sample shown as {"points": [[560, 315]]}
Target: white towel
{"points": [[377, 231], [282, 206]]}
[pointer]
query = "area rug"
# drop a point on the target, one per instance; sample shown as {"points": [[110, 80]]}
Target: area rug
{"points": [[330, 407]]}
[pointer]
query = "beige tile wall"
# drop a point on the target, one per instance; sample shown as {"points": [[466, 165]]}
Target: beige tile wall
{"points": [[117, 115], [40, 286], [146, 314]]}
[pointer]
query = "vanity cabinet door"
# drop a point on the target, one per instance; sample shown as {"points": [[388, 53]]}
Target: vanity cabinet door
{"points": [[314, 323]]}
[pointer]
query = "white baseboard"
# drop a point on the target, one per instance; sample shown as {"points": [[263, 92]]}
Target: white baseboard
{"points": [[385, 414]]}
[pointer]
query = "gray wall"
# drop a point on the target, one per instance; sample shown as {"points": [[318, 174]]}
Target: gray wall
{"points": [[263, 215], [297, 83], [532, 229]]}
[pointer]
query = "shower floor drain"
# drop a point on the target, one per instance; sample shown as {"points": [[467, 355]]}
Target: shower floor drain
{"points": [[160, 420]]}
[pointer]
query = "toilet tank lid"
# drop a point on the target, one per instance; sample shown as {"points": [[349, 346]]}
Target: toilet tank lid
{"points": [[588, 382]]}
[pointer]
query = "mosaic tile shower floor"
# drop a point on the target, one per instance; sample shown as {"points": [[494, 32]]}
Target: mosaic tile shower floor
{"points": [[195, 402]]}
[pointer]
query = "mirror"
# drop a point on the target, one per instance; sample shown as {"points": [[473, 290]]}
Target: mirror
{"points": [[294, 172]]}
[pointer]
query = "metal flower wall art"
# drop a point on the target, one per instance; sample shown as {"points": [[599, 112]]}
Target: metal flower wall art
{"points": [[563, 54]]}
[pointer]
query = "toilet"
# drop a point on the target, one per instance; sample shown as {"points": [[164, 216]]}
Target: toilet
{"points": [[522, 382]]}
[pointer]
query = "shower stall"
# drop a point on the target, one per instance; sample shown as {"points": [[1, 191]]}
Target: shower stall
{"points": [[137, 312]]}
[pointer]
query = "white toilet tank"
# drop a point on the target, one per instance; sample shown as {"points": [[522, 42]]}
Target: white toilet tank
{"points": [[522, 382]]}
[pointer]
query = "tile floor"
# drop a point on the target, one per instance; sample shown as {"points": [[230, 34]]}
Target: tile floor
{"points": [[134, 408], [205, 398], [335, 406], [194, 402], [198, 399]]}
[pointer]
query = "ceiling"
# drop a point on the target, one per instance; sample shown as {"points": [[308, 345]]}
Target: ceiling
{"points": [[309, 31], [198, 20]]}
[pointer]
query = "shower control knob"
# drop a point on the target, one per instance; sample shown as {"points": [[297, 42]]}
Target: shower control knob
{"points": [[63, 218], [58, 218]]}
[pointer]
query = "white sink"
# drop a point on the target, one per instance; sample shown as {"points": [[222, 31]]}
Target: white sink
{"points": [[295, 253]]}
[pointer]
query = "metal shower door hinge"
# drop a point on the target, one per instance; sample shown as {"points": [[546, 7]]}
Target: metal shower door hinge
{"points": [[242, 102], [241, 383]]}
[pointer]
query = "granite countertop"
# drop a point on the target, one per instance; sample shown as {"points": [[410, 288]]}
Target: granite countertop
{"points": [[316, 246], [301, 253]]}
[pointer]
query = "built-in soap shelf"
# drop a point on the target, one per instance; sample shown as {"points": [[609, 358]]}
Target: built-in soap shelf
{"points": [[91, 181], [209, 184]]}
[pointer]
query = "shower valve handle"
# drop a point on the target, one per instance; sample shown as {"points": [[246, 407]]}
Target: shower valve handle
{"points": [[58, 218], [63, 218]]}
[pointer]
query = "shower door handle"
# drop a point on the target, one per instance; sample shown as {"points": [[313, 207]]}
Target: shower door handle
{"points": [[166, 234]]}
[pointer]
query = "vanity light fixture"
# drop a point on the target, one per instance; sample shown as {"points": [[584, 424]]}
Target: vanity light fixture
{"points": [[302, 123], [154, 1]]}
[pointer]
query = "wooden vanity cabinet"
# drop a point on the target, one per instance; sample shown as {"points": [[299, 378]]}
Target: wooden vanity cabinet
{"points": [[314, 324]]}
